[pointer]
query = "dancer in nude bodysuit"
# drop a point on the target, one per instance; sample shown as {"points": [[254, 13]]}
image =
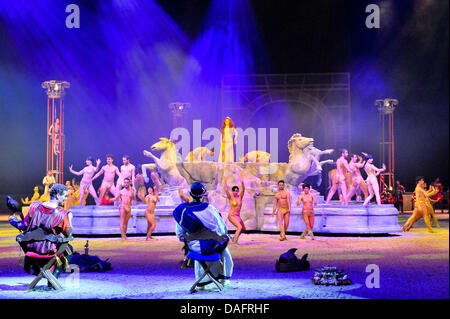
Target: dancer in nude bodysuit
{"points": [[151, 199], [307, 210], [86, 181], [339, 181], [235, 199], [110, 170], [283, 200], [127, 170], [372, 182], [357, 179], [126, 195]]}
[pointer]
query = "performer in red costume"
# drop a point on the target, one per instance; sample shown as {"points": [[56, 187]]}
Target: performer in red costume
{"points": [[437, 199], [50, 220]]}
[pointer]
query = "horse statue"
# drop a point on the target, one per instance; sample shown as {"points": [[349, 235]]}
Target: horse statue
{"points": [[166, 165], [303, 160], [316, 165]]}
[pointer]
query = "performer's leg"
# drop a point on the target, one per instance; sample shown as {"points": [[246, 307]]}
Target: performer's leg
{"points": [[331, 193], [343, 188], [94, 194], [371, 193], [280, 224], [351, 192], [236, 223], [103, 189], [151, 224], [125, 215], [311, 225], [376, 190], [83, 188], [306, 220]]}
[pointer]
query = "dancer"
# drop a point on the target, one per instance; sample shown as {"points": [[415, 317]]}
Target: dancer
{"points": [[126, 195], [151, 199], [437, 199], [127, 170], [422, 207], [399, 190], [356, 162], [307, 210], [226, 154], [339, 180], [372, 182], [235, 200], [201, 227], [283, 201], [48, 182], [86, 182], [110, 170]]}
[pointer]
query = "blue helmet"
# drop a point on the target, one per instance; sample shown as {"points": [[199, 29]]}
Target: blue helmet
{"points": [[198, 190]]}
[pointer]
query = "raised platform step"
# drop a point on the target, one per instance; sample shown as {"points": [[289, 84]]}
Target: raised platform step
{"points": [[333, 218]]}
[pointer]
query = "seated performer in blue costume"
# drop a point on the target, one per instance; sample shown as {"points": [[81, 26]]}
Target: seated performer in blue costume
{"points": [[201, 226]]}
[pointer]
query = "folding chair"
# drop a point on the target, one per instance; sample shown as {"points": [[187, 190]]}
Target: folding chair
{"points": [[202, 259], [45, 271], [42, 265]]}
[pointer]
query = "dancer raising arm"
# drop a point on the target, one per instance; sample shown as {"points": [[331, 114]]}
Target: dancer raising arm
{"points": [[235, 199], [86, 181], [372, 182]]}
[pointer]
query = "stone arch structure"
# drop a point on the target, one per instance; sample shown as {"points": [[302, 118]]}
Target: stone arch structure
{"points": [[326, 94]]}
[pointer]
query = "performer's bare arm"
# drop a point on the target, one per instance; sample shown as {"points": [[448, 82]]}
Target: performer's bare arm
{"points": [[378, 170], [102, 170], [431, 192], [314, 199], [98, 164], [235, 135], [226, 187], [274, 206], [299, 200], [75, 172], [242, 188], [289, 202], [183, 198]]}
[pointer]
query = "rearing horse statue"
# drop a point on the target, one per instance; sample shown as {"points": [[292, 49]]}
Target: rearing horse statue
{"points": [[166, 164]]}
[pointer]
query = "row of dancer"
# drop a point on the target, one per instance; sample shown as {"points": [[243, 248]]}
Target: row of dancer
{"points": [[91, 172], [369, 186]]}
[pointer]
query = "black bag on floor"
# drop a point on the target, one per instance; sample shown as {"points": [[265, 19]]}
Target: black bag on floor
{"points": [[288, 262], [88, 263]]}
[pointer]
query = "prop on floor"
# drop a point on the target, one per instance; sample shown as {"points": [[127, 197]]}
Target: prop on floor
{"points": [[289, 262], [330, 276], [90, 263]]}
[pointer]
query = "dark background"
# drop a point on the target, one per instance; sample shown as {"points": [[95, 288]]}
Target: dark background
{"points": [[406, 59]]}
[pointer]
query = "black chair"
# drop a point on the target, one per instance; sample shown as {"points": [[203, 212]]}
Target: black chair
{"points": [[42, 265], [202, 259]]}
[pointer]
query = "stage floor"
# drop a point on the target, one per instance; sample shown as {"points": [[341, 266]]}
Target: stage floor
{"points": [[412, 265]]}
